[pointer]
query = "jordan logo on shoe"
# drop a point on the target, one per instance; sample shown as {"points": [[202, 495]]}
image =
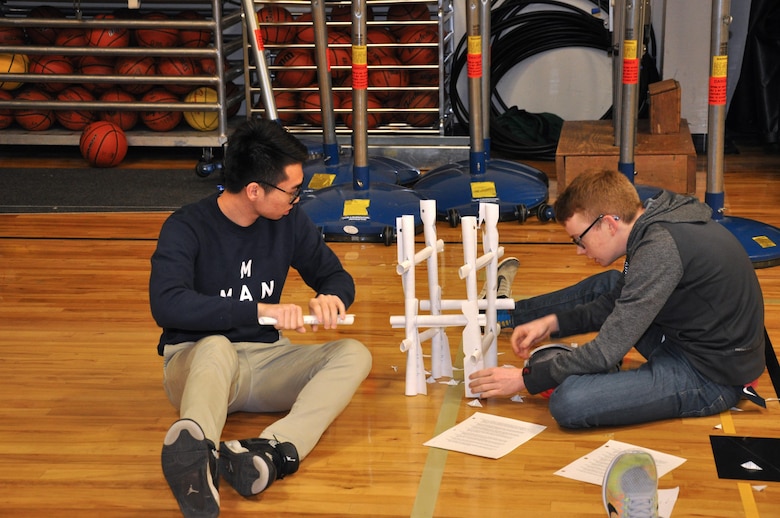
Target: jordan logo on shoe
{"points": [[192, 490]]}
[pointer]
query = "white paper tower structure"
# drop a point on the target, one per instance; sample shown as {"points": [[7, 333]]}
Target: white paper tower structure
{"points": [[480, 331]]}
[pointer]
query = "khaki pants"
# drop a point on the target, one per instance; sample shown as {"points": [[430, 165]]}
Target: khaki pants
{"points": [[208, 379]]}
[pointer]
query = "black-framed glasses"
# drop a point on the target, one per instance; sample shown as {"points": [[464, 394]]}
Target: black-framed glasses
{"points": [[578, 240], [293, 195]]}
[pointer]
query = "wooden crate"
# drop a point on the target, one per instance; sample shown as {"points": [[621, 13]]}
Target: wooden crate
{"points": [[667, 161], [665, 99]]}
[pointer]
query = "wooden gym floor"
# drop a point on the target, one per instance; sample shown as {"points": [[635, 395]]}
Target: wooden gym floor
{"points": [[83, 412]]}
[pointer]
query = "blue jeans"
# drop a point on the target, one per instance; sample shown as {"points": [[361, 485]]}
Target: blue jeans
{"points": [[584, 291], [665, 386]]}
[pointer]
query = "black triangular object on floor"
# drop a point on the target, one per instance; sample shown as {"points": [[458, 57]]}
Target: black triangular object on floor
{"points": [[746, 458]]}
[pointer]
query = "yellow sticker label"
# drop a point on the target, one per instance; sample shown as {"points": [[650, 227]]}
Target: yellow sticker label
{"points": [[764, 241], [483, 190], [475, 44], [321, 180], [720, 66], [359, 55], [629, 49], [354, 208]]}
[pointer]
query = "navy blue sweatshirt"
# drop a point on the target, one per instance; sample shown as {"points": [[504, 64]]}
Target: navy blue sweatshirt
{"points": [[208, 274]]}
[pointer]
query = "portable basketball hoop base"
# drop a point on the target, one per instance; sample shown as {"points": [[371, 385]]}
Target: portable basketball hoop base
{"points": [[347, 213], [515, 188], [324, 172], [761, 241]]}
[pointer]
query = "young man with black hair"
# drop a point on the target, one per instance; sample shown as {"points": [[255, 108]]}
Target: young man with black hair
{"points": [[219, 268]]}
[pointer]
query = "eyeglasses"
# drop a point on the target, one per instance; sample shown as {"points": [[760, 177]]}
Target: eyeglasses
{"points": [[578, 240], [293, 195]]}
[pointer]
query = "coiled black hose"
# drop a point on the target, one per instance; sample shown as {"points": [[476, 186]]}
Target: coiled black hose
{"points": [[515, 36]]}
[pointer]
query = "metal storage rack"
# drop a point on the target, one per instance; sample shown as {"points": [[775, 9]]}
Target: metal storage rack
{"points": [[395, 133], [222, 19]]}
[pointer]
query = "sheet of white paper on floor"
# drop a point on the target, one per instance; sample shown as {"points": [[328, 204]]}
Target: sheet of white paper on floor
{"points": [[486, 435], [591, 467], [666, 500]]}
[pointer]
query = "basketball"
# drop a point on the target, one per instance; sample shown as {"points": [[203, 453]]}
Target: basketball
{"points": [[295, 77], [43, 35], [96, 66], [413, 51], [423, 99], [34, 119], [162, 120], [286, 106], [71, 37], [51, 65], [103, 144], [205, 120], [409, 12], [339, 55], [424, 77], [125, 119], [386, 77], [6, 115], [374, 119], [13, 64], [305, 33], [193, 38], [380, 43], [275, 14], [311, 101], [108, 37], [135, 66], [156, 37], [176, 66], [208, 66], [74, 120], [11, 36]]}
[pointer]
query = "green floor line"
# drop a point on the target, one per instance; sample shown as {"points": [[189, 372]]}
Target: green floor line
{"points": [[428, 490]]}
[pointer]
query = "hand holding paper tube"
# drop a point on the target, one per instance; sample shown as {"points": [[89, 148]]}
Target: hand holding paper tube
{"points": [[309, 320]]}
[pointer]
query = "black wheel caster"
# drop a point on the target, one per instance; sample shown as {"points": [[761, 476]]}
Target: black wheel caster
{"points": [[453, 216], [522, 213], [387, 236], [545, 213], [204, 168]]}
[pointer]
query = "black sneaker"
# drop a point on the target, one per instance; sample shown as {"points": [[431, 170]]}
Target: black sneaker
{"points": [[544, 353], [189, 463], [252, 465]]}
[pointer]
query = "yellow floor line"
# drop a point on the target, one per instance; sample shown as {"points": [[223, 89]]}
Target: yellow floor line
{"points": [[430, 481], [744, 488]]}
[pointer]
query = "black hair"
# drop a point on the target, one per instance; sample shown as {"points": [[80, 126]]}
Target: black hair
{"points": [[260, 149]]}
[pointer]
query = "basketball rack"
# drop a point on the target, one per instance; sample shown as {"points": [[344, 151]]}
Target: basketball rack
{"points": [[222, 19]]}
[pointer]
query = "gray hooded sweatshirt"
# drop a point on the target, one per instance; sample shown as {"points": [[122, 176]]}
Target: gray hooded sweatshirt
{"points": [[684, 273]]}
